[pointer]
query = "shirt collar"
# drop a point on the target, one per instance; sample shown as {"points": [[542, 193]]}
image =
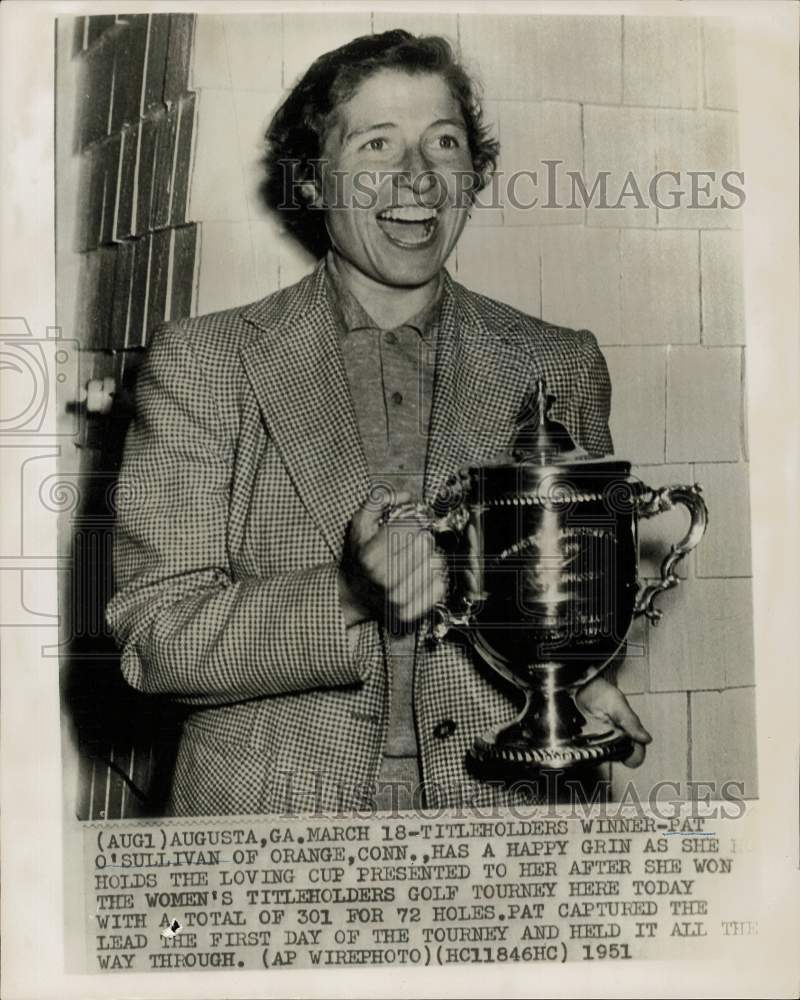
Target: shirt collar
{"points": [[351, 315]]}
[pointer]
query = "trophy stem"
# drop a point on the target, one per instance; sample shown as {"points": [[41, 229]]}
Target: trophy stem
{"points": [[549, 733], [549, 718]]}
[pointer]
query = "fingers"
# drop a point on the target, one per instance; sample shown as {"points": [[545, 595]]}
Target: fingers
{"points": [[407, 573], [397, 559], [419, 584], [396, 499], [605, 700], [627, 719], [636, 757], [366, 521], [624, 716], [592, 697]]}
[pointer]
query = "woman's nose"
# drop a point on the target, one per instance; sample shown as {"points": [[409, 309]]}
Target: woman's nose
{"points": [[415, 171]]}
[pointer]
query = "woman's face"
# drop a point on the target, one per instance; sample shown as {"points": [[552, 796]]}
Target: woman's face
{"points": [[395, 177]]}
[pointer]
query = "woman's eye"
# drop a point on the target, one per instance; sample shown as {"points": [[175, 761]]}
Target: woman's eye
{"points": [[375, 145], [447, 142]]}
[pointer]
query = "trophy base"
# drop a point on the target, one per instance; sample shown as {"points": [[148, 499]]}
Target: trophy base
{"points": [[500, 752]]}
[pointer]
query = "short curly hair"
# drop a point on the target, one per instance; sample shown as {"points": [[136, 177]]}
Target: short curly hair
{"points": [[296, 134]]}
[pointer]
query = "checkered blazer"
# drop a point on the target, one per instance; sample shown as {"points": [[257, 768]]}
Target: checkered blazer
{"points": [[241, 472]]}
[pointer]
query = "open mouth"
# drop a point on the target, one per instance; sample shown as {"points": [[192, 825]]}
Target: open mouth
{"points": [[408, 225]]}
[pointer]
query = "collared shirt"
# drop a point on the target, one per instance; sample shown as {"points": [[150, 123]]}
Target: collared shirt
{"points": [[391, 373], [391, 379]]}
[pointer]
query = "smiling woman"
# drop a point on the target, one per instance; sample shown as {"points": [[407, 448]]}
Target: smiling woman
{"points": [[263, 582], [411, 167], [311, 117]]}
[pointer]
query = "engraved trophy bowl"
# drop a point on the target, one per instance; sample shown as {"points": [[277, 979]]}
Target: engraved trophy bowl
{"points": [[543, 556]]}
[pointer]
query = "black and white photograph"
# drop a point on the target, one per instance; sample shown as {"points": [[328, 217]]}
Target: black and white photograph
{"points": [[291, 331], [398, 422]]}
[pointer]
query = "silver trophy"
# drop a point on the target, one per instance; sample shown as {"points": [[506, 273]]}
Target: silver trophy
{"points": [[543, 554]]}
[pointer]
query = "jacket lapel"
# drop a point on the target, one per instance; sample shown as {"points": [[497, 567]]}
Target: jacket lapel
{"points": [[296, 371], [297, 374], [482, 376]]}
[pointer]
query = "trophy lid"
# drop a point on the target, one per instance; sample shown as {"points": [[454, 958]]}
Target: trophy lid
{"points": [[542, 456], [539, 439]]}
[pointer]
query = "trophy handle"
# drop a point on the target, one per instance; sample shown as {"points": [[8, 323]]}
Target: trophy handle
{"points": [[445, 618], [652, 502], [457, 610]]}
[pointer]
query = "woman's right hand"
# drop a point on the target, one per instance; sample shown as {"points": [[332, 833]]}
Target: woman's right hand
{"points": [[391, 570]]}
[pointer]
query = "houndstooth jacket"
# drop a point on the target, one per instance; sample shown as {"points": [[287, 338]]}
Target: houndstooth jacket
{"points": [[241, 472]]}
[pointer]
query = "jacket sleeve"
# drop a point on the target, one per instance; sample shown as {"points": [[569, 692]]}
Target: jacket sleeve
{"points": [[186, 628], [590, 404]]}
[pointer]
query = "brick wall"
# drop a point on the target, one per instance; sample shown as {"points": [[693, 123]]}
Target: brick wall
{"points": [[127, 250], [134, 138], [660, 288]]}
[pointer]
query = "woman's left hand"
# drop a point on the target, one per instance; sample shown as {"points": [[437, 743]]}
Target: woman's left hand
{"points": [[605, 701]]}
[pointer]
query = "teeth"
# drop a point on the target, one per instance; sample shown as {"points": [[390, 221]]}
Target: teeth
{"points": [[409, 213]]}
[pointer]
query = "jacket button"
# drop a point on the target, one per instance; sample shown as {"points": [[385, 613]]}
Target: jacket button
{"points": [[444, 729]]}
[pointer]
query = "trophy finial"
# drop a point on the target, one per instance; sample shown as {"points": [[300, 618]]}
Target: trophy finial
{"points": [[540, 439]]}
